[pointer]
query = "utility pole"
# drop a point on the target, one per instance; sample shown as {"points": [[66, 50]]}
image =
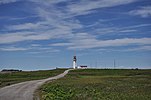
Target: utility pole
{"points": [[96, 65], [91, 65], [114, 64]]}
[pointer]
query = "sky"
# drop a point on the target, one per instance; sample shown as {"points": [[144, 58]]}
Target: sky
{"points": [[45, 34]]}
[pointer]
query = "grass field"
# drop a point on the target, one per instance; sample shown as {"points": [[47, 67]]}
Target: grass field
{"points": [[16, 77], [103, 84]]}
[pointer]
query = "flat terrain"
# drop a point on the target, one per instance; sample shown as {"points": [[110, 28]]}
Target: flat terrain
{"points": [[100, 84], [24, 90], [17, 77]]}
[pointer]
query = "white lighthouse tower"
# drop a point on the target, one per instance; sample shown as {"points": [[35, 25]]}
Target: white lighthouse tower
{"points": [[74, 62]]}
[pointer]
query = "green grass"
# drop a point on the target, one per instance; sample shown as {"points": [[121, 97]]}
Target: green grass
{"points": [[16, 77], [93, 84]]}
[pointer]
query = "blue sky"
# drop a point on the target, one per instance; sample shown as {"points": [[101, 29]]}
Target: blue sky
{"points": [[44, 34]]}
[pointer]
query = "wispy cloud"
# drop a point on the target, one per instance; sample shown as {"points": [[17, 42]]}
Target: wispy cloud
{"points": [[62, 44], [143, 12], [35, 45], [42, 49], [55, 23], [85, 7], [61, 24], [120, 30], [125, 31], [48, 2], [93, 43], [14, 49], [14, 37], [51, 26], [7, 1], [33, 49], [86, 41], [25, 26], [141, 48], [22, 36], [44, 52]]}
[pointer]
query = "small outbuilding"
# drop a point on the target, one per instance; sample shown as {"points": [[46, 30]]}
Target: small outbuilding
{"points": [[83, 67]]}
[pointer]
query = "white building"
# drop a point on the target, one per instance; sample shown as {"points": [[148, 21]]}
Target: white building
{"points": [[82, 67]]}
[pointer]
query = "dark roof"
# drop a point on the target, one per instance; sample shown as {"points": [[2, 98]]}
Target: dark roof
{"points": [[83, 66]]}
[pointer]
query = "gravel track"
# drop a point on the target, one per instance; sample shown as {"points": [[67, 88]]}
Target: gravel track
{"points": [[25, 90]]}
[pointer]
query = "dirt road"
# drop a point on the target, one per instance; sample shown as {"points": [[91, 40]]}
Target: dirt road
{"points": [[24, 90]]}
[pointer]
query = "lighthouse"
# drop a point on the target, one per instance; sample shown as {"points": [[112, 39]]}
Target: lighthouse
{"points": [[74, 62]]}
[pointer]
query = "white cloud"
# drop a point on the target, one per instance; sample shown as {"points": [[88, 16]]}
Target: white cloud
{"points": [[87, 41], [33, 49], [145, 48], [44, 30], [93, 43], [48, 2], [128, 49], [55, 22], [35, 45], [74, 8], [59, 23], [143, 12], [56, 18], [42, 50], [52, 26], [47, 50], [24, 36], [125, 31], [137, 26], [24, 26], [62, 44], [13, 37], [86, 6], [7, 1], [141, 48], [120, 30], [13, 49]]}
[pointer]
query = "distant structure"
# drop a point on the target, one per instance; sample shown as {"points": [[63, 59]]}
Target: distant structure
{"points": [[10, 71], [82, 67], [74, 62]]}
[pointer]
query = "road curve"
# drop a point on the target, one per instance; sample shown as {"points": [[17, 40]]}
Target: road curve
{"points": [[25, 90]]}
